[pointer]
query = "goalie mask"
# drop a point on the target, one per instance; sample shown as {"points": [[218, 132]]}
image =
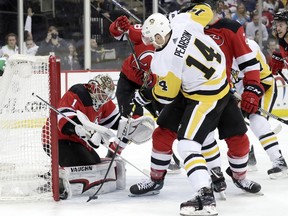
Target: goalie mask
{"points": [[101, 89]]}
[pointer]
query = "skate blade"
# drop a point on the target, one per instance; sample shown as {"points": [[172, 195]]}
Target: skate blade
{"points": [[173, 172], [260, 193], [151, 193], [206, 211], [280, 175]]}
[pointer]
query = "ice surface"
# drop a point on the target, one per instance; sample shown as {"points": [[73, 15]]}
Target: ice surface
{"points": [[176, 190]]}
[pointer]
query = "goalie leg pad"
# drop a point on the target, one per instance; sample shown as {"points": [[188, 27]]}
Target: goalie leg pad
{"points": [[87, 179]]}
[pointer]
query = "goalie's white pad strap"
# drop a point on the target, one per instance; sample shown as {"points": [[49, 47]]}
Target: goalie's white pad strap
{"points": [[138, 130]]}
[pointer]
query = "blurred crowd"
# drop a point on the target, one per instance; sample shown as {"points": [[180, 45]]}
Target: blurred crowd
{"points": [[64, 32]]}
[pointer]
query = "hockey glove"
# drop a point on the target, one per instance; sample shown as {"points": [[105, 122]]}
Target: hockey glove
{"points": [[150, 80], [140, 99], [82, 132], [276, 63], [251, 97], [122, 23]]}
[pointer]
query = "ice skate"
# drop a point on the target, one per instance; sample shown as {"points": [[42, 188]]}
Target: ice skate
{"points": [[218, 182], [203, 204], [245, 184], [279, 169], [252, 160], [146, 187]]}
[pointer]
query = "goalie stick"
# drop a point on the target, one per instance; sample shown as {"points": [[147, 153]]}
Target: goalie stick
{"points": [[124, 133], [101, 129]]}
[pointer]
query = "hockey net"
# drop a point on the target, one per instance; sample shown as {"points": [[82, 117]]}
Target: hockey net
{"points": [[26, 170]]}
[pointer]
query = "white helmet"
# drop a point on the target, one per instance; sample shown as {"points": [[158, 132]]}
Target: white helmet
{"points": [[101, 89], [155, 24]]}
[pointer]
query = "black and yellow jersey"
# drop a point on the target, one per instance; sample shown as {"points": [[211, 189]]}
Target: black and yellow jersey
{"points": [[191, 61]]}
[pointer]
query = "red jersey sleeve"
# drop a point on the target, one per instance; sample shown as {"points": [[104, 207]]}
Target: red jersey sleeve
{"points": [[69, 103], [245, 58]]}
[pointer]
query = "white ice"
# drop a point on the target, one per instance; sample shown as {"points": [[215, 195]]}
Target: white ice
{"points": [[176, 190]]}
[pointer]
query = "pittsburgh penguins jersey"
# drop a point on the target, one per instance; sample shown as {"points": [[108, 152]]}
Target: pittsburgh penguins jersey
{"points": [[190, 62], [264, 68]]}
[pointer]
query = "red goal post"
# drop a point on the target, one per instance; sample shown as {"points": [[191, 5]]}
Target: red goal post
{"points": [[29, 170]]}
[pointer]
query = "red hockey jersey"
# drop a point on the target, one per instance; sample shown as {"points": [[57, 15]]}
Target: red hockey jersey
{"points": [[78, 98], [143, 53], [230, 36]]}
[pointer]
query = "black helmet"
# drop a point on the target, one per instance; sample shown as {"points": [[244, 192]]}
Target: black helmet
{"points": [[281, 16]]}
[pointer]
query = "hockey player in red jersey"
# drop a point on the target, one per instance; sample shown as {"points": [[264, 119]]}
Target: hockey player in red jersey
{"points": [[92, 114], [259, 123], [280, 28], [134, 67], [235, 132]]}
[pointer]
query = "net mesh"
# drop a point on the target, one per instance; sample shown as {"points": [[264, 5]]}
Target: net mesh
{"points": [[25, 167]]}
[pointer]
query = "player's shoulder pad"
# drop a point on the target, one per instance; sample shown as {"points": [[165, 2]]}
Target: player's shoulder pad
{"points": [[81, 91], [229, 24]]}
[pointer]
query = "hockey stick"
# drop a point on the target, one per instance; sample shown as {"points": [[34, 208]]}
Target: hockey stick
{"points": [[88, 133], [126, 11], [238, 97], [124, 133], [280, 71], [129, 42], [282, 75], [276, 130]]}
